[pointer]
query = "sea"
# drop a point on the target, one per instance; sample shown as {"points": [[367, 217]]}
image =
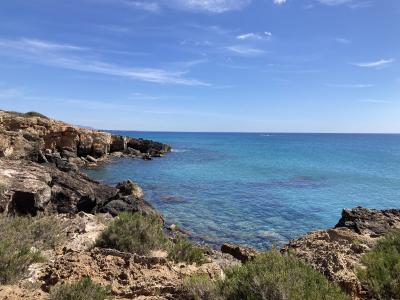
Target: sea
{"points": [[262, 189]]}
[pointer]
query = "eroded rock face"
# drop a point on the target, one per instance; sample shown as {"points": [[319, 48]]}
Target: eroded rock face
{"points": [[29, 188], [337, 252], [24, 137]]}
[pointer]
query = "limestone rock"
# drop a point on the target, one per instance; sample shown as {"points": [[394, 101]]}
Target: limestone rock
{"points": [[337, 252]]}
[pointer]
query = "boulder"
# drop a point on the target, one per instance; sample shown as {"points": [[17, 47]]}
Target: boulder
{"points": [[241, 253], [129, 187]]}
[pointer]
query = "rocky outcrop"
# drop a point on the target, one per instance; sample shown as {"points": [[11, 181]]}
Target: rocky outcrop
{"points": [[29, 137], [29, 188], [241, 253], [337, 252], [130, 276]]}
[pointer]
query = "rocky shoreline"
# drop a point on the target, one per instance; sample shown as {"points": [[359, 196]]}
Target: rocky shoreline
{"points": [[39, 176]]}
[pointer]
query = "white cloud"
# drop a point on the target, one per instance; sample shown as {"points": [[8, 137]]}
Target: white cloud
{"points": [[38, 45], [213, 6], [350, 3], [245, 50], [254, 36], [342, 40], [279, 2], [52, 54], [147, 6], [374, 64]]}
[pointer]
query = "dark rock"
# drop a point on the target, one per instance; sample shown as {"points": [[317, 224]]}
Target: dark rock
{"points": [[147, 157], [118, 144], [369, 221], [147, 146], [68, 153], [241, 253], [128, 187]]}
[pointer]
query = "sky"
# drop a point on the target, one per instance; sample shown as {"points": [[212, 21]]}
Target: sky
{"points": [[205, 65]]}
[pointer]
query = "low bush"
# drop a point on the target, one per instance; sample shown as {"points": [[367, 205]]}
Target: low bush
{"points": [[133, 233], [21, 240], [270, 276], [201, 287], [84, 289], [35, 114], [382, 268], [181, 250]]}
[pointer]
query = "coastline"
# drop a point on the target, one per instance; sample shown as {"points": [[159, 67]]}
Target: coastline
{"points": [[39, 165]]}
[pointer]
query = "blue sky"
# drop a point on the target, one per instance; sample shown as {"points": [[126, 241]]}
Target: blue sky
{"points": [[205, 65]]}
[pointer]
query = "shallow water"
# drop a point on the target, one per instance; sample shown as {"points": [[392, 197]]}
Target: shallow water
{"points": [[259, 189]]}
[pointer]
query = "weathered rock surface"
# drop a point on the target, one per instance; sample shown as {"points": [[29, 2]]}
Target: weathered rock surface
{"points": [[29, 188], [130, 276], [29, 137], [241, 253], [337, 252]]}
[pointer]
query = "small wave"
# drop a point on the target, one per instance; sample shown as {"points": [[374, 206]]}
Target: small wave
{"points": [[265, 134], [179, 150]]}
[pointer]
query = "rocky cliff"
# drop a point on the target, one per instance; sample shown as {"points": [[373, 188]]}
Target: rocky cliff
{"points": [[39, 139], [39, 174]]}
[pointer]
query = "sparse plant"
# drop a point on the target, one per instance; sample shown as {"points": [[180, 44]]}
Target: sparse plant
{"points": [[21, 242], [85, 289], [133, 233], [270, 276], [382, 267], [181, 250]]}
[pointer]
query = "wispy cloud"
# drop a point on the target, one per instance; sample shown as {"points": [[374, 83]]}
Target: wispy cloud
{"points": [[350, 3], [255, 36], [38, 45], [57, 55], [279, 2], [144, 5], [350, 86], [245, 50], [374, 64], [212, 6], [342, 40]]}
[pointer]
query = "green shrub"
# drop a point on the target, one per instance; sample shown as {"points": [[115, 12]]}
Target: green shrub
{"points": [[35, 114], [270, 276], [201, 287], [21, 240], [133, 233], [84, 289], [382, 268], [181, 250], [16, 253]]}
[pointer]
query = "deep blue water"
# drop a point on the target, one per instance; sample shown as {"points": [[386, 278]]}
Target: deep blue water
{"points": [[258, 189]]}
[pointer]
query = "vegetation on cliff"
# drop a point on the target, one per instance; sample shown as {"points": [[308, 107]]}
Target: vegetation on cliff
{"points": [[181, 250], [136, 233], [382, 268], [269, 276], [133, 233], [29, 114], [21, 242], [84, 289]]}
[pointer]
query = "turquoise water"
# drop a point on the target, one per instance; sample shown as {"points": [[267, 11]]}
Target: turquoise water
{"points": [[258, 189]]}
